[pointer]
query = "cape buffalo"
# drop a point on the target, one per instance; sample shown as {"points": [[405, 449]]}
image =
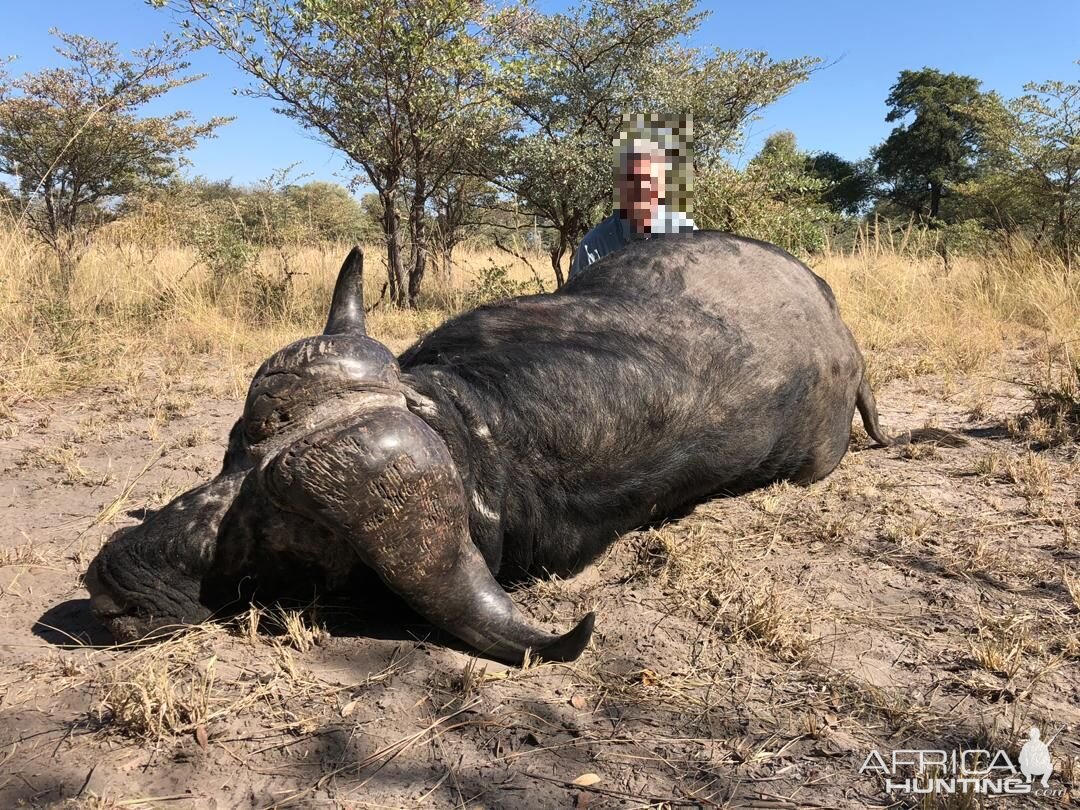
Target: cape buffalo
{"points": [[519, 439]]}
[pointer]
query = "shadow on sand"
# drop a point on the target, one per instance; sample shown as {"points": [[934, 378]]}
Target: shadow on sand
{"points": [[367, 609]]}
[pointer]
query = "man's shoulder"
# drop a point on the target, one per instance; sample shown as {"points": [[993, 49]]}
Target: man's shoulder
{"points": [[610, 223], [603, 238], [608, 234]]}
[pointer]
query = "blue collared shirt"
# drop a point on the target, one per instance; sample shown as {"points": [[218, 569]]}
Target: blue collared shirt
{"points": [[614, 232]]}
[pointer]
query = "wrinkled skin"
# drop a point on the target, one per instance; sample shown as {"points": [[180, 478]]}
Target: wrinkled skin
{"points": [[519, 439]]}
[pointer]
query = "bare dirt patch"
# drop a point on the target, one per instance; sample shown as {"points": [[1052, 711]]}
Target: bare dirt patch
{"points": [[749, 654]]}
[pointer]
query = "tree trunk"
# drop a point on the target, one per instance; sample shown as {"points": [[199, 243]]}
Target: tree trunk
{"points": [[1064, 242], [419, 236], [52, 312], [556, 254], [935, 199], [943, 251], [449, 220], [447, 263], [392, 233]]}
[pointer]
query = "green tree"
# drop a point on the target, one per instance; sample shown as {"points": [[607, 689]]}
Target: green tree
{"points": [[570, 77], [329, 212], [75, 144], [400, 87], [937, 145], [849, 185], [776, 198], [1033, 176]]}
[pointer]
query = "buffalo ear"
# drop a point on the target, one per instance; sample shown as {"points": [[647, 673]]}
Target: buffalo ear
{"points": [[347, 308]]}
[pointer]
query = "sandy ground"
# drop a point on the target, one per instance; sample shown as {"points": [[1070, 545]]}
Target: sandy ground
{"points": [[751, 654]]}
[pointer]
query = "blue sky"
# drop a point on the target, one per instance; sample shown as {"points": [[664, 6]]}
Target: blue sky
{"points": [[841, 108]]}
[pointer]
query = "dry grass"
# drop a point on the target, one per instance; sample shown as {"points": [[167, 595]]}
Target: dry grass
{"points": [[710, 582], [933, 319], [1054, 417], [165, 689], [1000, 643], [25, 554], [134, 306], [1031, 475], [1072, 585], [195, 679], [133, 309], [300, 629], [763, 614]]}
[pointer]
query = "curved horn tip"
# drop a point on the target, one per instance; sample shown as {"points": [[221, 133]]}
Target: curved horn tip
{"points": [[569, 646], [347, 308]]}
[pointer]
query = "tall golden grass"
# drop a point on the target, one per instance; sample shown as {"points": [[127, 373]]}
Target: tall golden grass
{"points": [[140, 307], [136, 307], [915, 313]]}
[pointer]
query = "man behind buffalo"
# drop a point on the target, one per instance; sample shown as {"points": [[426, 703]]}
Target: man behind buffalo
{"points": [[640, 210]]}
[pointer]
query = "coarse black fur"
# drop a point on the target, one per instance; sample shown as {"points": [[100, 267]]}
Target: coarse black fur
{"points": [[625, 396]]}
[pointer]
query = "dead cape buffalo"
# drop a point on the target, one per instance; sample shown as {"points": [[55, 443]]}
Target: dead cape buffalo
{"points": [[519, 439]]}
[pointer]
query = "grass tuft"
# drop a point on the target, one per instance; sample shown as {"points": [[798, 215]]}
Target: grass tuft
{"points": [[1054, 416]]}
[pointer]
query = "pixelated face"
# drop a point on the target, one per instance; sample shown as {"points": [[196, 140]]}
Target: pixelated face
{"points": [[641, 185]]}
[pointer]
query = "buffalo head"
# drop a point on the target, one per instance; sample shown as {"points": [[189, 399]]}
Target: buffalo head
{"points": [[327, 469]]}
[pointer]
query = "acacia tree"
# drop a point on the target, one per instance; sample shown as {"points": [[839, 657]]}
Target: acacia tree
{"points": [[460, 204], [73, 140], [922, 159], [777, 197], [570, 77], [398, 86], [1033, 175], [330, 212], [849, 185]]}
